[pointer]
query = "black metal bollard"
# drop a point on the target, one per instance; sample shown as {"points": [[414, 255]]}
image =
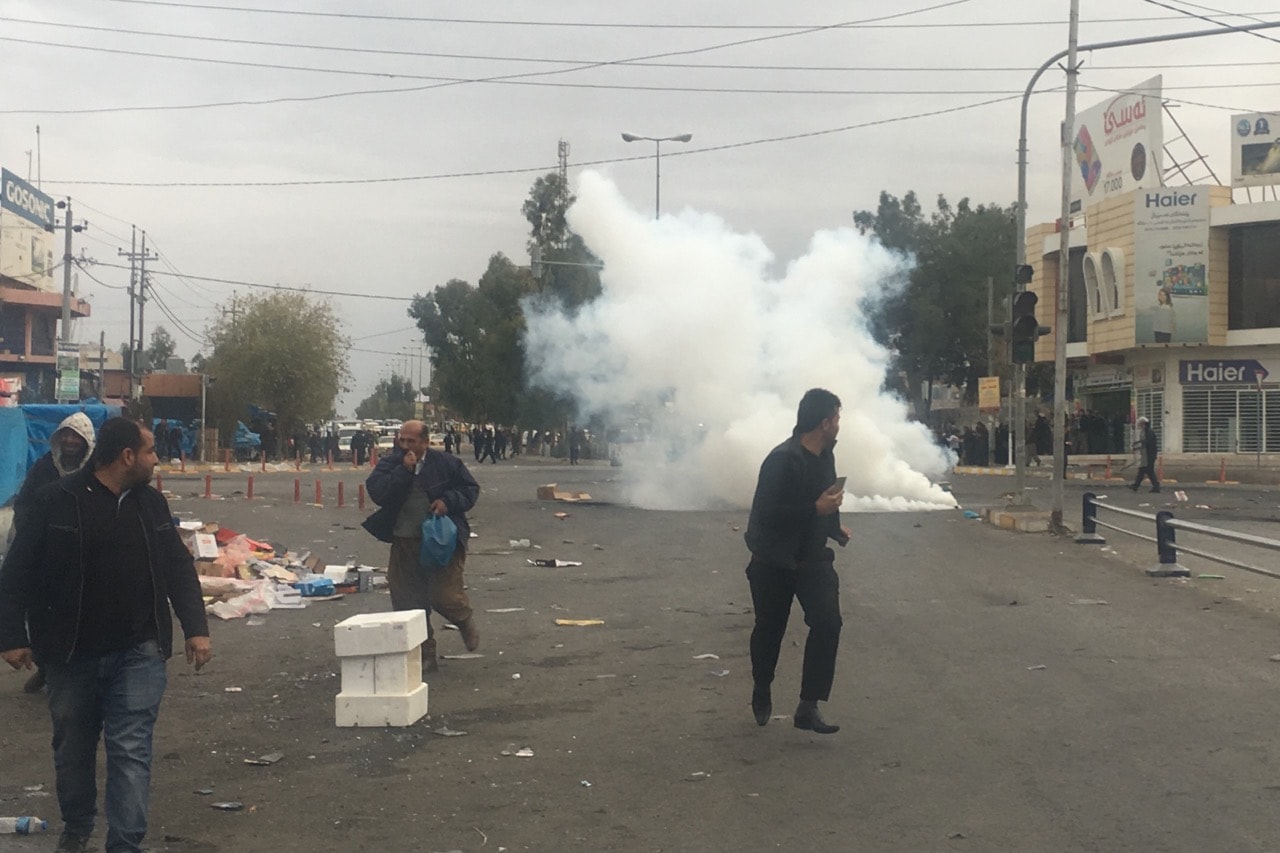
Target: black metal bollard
{"points": [[1089, 522], [1167, 548]]}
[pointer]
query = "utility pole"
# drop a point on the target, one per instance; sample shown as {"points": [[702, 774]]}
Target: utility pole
{"points": [[137, 295], [142, 302], [1064, 276]]}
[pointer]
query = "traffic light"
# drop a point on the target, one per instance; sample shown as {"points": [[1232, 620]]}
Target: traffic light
{"points": [[1025, 329]]}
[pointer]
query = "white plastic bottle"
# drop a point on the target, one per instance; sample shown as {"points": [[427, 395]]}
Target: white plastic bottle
{"points": [[22, 825]]}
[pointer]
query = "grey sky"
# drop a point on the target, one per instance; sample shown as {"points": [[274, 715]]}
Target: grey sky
{"points": [[408, 236]]}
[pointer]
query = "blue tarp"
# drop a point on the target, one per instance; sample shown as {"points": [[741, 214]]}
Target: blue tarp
{"points": [[245, 438], [29, 431]]}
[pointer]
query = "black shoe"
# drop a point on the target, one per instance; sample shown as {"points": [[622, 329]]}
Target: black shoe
{"points": [[1156, 490], [70, 843], [809, 718], [761, 705]]}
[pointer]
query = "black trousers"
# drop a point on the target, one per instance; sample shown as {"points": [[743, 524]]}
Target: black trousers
{"points": [[1149, 471], [817, 586]]}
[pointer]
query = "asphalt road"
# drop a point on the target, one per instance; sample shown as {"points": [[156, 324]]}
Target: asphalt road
{"points": [[989, 701]]}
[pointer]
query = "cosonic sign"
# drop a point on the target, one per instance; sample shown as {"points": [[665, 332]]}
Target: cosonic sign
{"points": [[20, 197], [1224, 372]]}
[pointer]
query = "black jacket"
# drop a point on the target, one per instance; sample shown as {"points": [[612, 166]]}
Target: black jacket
{"points": [[444, 477], [42, 581], [784, 528], [39, 475]]}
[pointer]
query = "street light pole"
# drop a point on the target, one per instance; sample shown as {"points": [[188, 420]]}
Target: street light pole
{"points": [[657, 160], [1020, 214]]}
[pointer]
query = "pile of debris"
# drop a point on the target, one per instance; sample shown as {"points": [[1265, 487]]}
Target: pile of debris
{"points": [[240, 576]]}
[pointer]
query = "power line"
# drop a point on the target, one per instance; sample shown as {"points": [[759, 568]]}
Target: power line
{"points": [[542, 169], [260, 285], [385, 334], [1212, 20], [571, 24]]}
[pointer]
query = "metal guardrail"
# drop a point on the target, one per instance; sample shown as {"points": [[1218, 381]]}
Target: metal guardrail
{"points": [[1167, 547]]}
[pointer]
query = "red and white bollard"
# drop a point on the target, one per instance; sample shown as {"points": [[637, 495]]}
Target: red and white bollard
{"points": [[360, 496], [342, 495], [208, 485], [297, 491], [248, 495], [159, 482], [226, 461], [264, 460], [319, 495]]}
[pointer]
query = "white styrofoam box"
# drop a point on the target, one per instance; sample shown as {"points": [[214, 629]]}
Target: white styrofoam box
{"points": [[398, 673], [337, 574], [393, 674], [380, 633], [380, 710], [358, 675]]}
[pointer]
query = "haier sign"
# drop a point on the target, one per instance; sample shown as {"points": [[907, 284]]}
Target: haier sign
{"points": [[1222, 372], [20, 197]]}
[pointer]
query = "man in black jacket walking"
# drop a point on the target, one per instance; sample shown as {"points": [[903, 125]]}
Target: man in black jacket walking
{"points": [[85, 592], [408, 484], [1147, 445], [796, 509]]}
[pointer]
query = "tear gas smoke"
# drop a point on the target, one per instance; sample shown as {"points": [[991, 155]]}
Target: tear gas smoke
{"points": [[693, 349]]}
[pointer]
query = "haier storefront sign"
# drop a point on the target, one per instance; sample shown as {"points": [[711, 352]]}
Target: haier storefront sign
{"points": [[1246, 371], [20, 197]]}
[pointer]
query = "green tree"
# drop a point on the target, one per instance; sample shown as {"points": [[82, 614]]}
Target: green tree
{"points": [[161, 349], [570, 272], [284, 352], [391, 398], [475, 336], [936, 323]]}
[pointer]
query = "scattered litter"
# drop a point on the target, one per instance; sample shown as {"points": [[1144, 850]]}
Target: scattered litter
{"points": [[579, 623], [1087, 601], [449, 626], [1037, 666], [584, 783], [515, 676], [1275, 658], [549, 492], [1209, 577], [33, 789], [707, 656], [1203, 506], [968, 513], [524, 752], [555, 564], [597, 547], [231, 806], [719, 673], [463, 656], [697, 776], [607, 675], [265, 760], [255, 622], [505, 610], [203, 792], [233, 690], [445, 731], [1180, 496], [520, 544], [562, 515]]}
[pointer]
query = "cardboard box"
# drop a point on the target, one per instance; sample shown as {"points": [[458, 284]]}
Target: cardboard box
{"points": [[549, 492]]}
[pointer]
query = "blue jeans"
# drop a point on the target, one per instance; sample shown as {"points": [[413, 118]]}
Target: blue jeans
{"points": [[116, 696]]}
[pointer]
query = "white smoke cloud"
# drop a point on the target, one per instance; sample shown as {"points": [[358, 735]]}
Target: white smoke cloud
{"points": [[690, 317]]}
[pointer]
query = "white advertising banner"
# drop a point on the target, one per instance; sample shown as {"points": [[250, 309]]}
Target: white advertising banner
{"points": [[1119, 145], [26, 235], [1171, 265], [1255, 150]]}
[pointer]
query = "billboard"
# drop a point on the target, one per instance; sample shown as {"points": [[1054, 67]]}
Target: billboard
{"points": [[1171, 265], [1255, 150], [26, 233], [1119, 145]]}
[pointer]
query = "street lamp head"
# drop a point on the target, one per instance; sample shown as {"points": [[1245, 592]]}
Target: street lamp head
{"points": [[684, 137], [630, 137]]}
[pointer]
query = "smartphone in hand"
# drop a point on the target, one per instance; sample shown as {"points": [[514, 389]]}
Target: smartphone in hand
{"points": [[838, 486]]}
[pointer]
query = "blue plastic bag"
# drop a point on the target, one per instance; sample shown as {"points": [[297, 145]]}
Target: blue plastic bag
{"points": [[439, 539]]}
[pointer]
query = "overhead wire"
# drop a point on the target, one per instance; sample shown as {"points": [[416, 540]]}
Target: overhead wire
{"points": [[547, 168], [283, 287], [1212, 20]]}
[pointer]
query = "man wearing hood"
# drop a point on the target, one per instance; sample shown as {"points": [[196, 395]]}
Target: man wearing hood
{"points": [[69, 448]]}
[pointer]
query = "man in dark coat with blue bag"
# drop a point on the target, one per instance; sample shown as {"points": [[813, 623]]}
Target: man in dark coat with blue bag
{"points": [[411, 484]]}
